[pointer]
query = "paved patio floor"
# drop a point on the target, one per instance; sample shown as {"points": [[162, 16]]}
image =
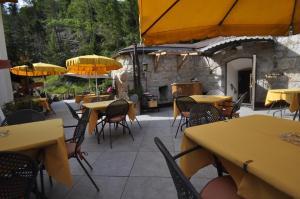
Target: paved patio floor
{"points": [[131, 169]]}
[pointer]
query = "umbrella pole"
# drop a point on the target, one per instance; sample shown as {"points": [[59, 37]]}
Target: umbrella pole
{"points": [[96, 87]]}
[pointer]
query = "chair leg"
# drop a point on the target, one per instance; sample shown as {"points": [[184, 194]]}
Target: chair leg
{"points": [[295, 115], [178, 126], [174, 120], [129, 131], [42, 181], [110, 141], [102, 131], [50, 180], [87, 173], [85, 160], [123, 125], [137, 122]]}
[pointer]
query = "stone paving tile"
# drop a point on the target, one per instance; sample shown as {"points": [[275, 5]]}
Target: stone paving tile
{"points": [[114, 163], [150, 164], [149, 188], [149, 145], [110, 188]]}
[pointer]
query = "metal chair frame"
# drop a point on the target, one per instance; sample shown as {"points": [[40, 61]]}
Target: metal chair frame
{"points": [[184, 104], [78, 138], [203, 113], [17, 175], [184, 188], [237, 105], [116, 108]]}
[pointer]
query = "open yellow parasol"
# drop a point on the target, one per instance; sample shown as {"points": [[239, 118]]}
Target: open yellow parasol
{"points": [[172, 21], [92, 65], [38, 69]]}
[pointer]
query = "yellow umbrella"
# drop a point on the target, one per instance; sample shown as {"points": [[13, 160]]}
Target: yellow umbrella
{"points": [[92, 65], [171, 21], [38, 69]]}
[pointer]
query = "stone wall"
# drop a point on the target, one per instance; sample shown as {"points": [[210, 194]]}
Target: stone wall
{"points": [[281, 56], [194, 67]]}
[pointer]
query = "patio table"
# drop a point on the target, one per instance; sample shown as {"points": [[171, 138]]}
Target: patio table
{"points": [[89, 98], [101, 106], [45, 135], [79, 98], [216, 100], [288, 95], [251, 149]]}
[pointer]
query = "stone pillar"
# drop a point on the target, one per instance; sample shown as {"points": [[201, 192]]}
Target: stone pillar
{"points": [[6, 93]]}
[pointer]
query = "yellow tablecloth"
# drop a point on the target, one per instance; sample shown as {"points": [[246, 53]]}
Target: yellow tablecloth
{"points": [[274, 170], [288, 95], [216, 100], [101, 106], [79, 98], [89, 98], [46, 135]]}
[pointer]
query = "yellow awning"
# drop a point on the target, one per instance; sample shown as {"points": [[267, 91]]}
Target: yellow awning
{"points": [[171, 21], [38, 69], [92, 65]]}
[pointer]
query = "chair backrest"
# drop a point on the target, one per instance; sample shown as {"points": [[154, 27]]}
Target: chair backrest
{"points": [[117, 108], [79, 132], [236, 107], [185, 103], [203, 113], [24, 116], [73, 112], [134, 98], [17, 175], [184, 188]]}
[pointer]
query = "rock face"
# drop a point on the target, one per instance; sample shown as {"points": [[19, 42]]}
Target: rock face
{"points": [[281, 57]]}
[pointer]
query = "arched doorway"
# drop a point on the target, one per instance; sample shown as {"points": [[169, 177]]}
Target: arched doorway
{"points": [[239, 78]]}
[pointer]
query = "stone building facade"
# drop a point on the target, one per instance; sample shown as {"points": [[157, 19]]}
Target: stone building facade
{"points": [[277, 65]]}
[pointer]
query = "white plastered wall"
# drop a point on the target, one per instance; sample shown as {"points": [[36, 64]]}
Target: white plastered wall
{"points": [[232, 74], [6, 93]]}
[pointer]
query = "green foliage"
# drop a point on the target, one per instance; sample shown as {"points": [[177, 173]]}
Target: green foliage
{"points": [[53, 31], [105, 84]]}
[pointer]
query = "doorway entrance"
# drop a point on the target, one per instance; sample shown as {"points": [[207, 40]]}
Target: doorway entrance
{"points": [[239, 78]]}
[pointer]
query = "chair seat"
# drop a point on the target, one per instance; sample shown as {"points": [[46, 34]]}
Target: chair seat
{"points": [[70, 146], [220, 188], [118, 118], [185, 114]]}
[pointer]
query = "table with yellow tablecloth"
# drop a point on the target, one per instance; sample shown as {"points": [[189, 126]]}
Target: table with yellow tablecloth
{"points": [[290, 95], [90, 98], [216, 100], [45, 135], [79, 98], [101, 106], [272, 163]]}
